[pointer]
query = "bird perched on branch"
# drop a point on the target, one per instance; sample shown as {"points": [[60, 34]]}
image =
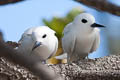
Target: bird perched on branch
{"points": [[81, 37], [40, 41]]}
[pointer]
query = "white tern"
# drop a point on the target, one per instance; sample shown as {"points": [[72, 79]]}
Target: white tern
{"points": [[81, 37], [40, 41], [62, 56]]}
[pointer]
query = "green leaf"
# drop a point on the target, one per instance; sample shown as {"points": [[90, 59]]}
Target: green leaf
{"points": [[58, 23]]}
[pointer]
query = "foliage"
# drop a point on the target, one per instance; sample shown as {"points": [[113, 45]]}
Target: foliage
{"points": [[58, 23]]}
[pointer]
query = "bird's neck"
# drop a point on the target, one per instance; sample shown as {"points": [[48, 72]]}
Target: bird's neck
{"points": [[84, 30]]}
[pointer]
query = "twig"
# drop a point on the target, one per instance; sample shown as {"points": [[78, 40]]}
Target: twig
{"points": [[1, 36], [12, 44], [30, 62], [4, 2], [102, 5]]}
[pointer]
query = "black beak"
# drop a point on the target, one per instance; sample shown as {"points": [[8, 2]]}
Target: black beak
{"points": [[96, 25], [37, 44]]}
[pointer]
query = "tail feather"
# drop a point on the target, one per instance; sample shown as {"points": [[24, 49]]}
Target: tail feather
{"points": [[63, 56]]}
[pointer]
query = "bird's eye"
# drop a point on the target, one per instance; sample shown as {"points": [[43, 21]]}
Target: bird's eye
{"points": [[55, 34], [44, 36], [84, 20]]}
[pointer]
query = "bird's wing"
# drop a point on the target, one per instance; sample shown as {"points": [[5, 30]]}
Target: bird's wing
{"points": [[68, 42], [96, 42], [25, 44], [22, 37], [56, 47], [26, 33], [67, 28]]}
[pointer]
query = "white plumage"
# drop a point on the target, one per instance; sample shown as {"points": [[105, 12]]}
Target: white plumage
{"points": [[40, 41], [81, 37]]}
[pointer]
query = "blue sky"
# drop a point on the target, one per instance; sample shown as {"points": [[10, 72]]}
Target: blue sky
{"points": [[16, 18]]}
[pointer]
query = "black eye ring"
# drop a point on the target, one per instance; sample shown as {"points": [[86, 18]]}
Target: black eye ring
{"points": [[84, 20], [44, 36]]}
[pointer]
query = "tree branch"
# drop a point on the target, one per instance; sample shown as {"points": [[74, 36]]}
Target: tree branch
{"points": [[12, 44], [4, 2], [31, 62], [106, 68], [102, 5], [1, 37]]}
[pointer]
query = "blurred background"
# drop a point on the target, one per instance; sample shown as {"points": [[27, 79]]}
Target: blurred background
{"points": [[16, 18]]}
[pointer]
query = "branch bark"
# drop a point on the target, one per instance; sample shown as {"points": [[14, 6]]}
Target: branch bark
{"points": [[1, 37], [102, 5], [4, 2], [30, 62], [106, 68]]}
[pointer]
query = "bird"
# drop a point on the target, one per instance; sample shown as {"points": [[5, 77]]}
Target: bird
{"points": [[62, 56], [81, 37], [40, 41]]}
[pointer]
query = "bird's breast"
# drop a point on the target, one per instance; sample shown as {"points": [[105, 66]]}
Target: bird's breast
{"points": [[43, 52], [84, 43]]}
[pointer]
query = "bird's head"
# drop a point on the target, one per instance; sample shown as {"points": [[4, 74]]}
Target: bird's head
{"points": [[41, 37], [86, 20]]}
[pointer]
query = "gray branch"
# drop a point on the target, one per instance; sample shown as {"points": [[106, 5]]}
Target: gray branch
{"points": [[31, 62], [102, 5], [107, 68], [4, 2]]}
